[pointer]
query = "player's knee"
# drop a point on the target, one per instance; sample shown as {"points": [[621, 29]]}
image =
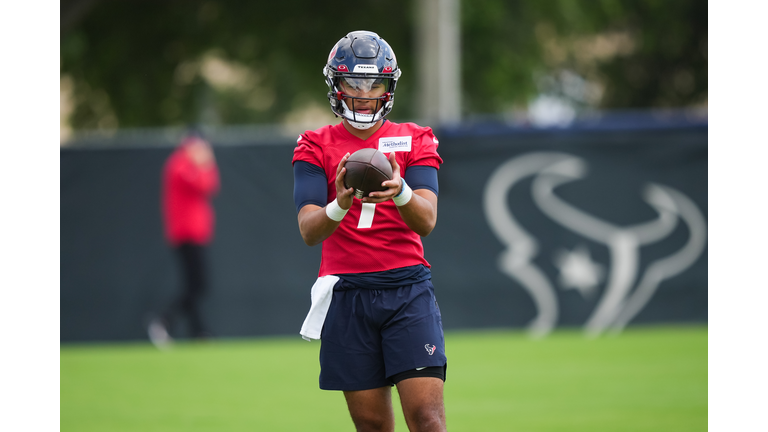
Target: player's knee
{"points": [[427, 418], [372, 422]]}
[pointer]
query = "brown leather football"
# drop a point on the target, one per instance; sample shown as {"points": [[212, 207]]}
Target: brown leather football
{"points": [[366, 169]]}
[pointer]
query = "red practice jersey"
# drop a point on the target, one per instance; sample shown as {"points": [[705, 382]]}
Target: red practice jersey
{"points": [[187, 192], [371, 237]]}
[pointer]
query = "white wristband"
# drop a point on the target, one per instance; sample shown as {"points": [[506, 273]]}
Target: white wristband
{"points": [[404, 196], [333, 211]]}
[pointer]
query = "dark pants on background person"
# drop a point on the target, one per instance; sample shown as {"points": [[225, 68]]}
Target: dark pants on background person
{"points": [[192, 258]]}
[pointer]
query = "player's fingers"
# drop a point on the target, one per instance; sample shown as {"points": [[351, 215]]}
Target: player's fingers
{"points": [[382, 196], [394, 183], [374, 199], [340, 182], [341, 186], [392, 186], [393, 162], [344, 196], [342, 163]]}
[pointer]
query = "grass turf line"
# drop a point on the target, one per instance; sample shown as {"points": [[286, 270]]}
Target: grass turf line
{"points": [[646, 379]]}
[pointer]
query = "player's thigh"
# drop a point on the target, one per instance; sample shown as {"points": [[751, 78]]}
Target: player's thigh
{"points": [[351, 356], [421, 391], [422, 399]]}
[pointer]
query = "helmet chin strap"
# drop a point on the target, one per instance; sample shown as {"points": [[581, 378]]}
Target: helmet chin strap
{"points": [[349, 115], [360, 126]]}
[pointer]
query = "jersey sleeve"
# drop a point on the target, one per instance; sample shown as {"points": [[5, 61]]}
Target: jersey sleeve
{"points": [[310, 185], [425, 150], [306, 150], [422, 177]]}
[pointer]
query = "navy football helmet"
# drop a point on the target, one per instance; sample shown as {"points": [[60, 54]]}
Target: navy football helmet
{"points": [[361, 60]]}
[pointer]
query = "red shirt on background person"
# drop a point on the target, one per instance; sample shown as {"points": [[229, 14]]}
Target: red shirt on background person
{"points": [[190, 180]]}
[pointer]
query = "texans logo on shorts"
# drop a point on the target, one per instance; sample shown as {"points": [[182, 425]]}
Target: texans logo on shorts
{"points": [[430, 349]]}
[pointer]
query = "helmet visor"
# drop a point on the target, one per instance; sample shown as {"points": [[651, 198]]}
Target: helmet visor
{"points": [[365, 85]]}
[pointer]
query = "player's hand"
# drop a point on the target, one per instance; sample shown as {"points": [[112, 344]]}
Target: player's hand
{"points": [[343, 194], [393, 186]]}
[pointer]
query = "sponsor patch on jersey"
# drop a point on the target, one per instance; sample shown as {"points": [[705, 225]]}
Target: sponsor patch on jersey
{"points": [[366, 68], [390, 144]]}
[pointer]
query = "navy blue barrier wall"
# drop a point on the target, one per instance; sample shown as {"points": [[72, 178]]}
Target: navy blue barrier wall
{"points": [[591, 228]]}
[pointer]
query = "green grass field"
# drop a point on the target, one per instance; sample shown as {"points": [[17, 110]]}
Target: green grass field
{"points": [[646, 379]]}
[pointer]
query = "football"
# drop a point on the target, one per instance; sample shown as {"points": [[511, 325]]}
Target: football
{"points": [[366, 169]]}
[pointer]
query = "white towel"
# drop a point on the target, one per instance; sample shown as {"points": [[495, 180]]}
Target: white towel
{"points": [[322, 293]]}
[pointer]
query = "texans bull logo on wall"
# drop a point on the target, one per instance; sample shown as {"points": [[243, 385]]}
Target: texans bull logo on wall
{"points": [[625, 282]]}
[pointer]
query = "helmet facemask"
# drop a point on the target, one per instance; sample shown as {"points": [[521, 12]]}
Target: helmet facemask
{"points": [[339, 84], [347, 104]]}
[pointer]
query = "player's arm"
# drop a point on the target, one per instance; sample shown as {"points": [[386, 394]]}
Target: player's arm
{"points": [[420, 212], [315, 222]]}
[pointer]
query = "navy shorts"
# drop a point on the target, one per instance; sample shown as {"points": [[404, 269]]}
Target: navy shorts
{"points": [[370, 335]]}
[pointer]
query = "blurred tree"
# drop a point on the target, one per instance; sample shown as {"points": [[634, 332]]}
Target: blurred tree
{"points": [[157, 63], [635, 53]]}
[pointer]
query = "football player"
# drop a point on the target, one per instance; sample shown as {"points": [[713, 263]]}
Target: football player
{"points": [[373, 305]]}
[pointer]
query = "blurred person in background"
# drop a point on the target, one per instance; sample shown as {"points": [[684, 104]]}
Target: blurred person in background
{"points": [[189, 182]]}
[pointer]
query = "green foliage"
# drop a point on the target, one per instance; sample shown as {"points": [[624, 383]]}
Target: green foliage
{"points": [[145, 57], [652, 379], [642, 53], [140, 64]]}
